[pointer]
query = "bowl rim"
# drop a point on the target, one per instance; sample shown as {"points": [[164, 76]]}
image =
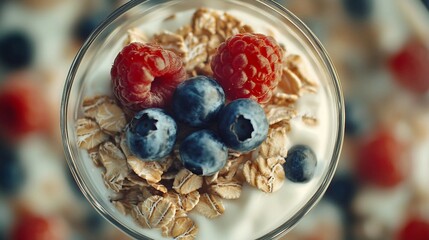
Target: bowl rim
{"points": [[285, 13]]}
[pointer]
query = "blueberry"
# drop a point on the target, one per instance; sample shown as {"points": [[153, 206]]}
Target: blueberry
{"points": [[243, 125], [203, 153], [94, 221], [357, 119], [16, 50], [358, 9], [12, 173], [426, 3], [151, 134], [88, 23], [197, 101], [300, 163], [342, 190]]}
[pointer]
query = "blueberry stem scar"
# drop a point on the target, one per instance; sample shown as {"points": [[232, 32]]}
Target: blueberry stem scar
{"points": [[242, 128], [146, 124]]}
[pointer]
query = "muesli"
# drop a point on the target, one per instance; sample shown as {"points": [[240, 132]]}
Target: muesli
{"points": [[159, 193]]}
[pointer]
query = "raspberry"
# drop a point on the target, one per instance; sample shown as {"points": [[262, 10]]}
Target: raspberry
{"points": [[381, 160], [145, 76], [415, 228], [409, 67], [23, 108], [248, 66], [31, 226]]}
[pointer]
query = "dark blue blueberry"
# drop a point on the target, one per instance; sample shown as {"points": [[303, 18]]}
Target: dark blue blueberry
{"points": [[300, 165], [358, 9], [342, 190], [203, 153], [426, 3], [16, 50], [94, 221], [151, 134], [356, 119], [88, 23], [243, 125], [197, 101], [12, 173]]}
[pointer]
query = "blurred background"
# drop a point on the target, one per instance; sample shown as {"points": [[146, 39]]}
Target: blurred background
{"points": [[379, 47]]}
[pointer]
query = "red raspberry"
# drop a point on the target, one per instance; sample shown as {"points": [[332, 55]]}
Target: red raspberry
{"points": [[415, 228], [145, 76], [409, 66], [382, 160], [22, 107], [35, 227], [248, 66]]}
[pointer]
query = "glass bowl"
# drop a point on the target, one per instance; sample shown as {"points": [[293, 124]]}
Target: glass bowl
{"points": [[90, 75]]}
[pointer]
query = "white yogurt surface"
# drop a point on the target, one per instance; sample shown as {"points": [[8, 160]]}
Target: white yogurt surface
{"points": [[255, 213]]}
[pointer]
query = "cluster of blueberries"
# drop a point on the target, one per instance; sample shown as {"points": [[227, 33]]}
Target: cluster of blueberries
{"points": [[198, 105]]}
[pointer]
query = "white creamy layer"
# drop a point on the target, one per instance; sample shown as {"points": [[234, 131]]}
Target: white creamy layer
{"points": [[255, 213]]}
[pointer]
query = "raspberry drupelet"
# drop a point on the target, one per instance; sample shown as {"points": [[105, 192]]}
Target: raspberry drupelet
{"points": [[145, 76], [248, 65]]}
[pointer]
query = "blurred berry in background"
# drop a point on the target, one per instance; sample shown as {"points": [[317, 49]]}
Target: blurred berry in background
{"points": [[23, 107], [359, 10], [410, 66], [88, 23], [342, 190], [12, 173], [426, 3], [415, 228], [357, 118], [32, 226], [382, 160], [16, 50]]}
